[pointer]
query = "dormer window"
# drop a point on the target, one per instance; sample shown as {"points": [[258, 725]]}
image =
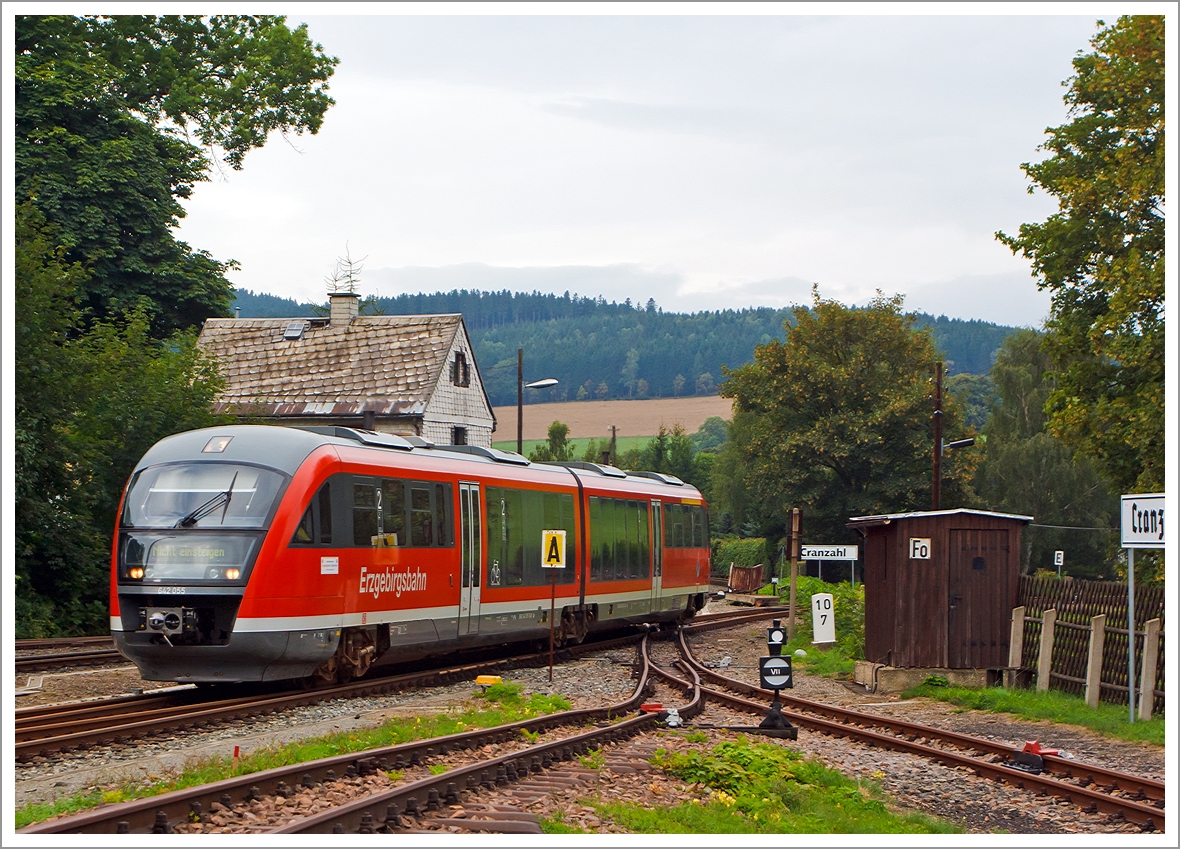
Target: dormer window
{"points": [[460, 371]]}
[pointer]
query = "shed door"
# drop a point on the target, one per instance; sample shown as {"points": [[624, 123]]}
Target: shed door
{"points": [[979, 606]]}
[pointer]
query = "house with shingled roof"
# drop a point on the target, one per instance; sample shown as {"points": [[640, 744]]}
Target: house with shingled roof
{"points": [[413, 375]]}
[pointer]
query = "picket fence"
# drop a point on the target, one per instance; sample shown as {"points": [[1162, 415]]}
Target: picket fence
{"points": [[1076, 602]]}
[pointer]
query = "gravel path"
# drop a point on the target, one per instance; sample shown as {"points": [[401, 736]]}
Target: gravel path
{"points": [[606, 678]]}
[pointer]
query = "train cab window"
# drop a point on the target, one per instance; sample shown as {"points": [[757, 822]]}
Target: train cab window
{"points": [[316, 525], [324, 517]]}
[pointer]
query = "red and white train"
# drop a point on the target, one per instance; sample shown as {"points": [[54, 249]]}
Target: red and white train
{"points": [[256, 553]]}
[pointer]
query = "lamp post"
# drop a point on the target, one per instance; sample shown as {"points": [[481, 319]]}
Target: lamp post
{"points": [[520, 387]]}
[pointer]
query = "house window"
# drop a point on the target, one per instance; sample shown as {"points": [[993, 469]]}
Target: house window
{"points": [[458, 436], [460, 372]]}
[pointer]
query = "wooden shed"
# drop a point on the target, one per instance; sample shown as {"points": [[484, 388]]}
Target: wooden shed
{"points": [[940, 587]]}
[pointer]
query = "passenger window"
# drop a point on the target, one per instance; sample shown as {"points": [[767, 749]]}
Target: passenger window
{"points": [[393, 509], [421, 520], [364, 513]]}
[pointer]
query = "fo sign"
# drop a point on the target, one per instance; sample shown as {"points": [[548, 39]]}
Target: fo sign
{"points": [[919, 548], [775, 672]]}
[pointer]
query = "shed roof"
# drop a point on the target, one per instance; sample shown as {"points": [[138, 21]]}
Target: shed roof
{"points": [[389, 364], [884, 519]]}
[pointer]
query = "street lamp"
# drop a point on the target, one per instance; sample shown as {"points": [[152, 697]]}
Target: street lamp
{"points": [[520, 387]]}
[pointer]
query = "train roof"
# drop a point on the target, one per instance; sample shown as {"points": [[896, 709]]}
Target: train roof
{"points": [[285, 449]]}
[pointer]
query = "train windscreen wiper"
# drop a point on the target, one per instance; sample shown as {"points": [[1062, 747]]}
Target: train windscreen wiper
{"points": [[221, 498]]}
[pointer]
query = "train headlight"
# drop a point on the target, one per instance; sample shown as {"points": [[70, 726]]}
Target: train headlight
{"points": [[232, 574], [135, 573]]}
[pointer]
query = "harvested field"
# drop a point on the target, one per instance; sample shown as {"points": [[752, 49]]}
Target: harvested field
{"points": [[593, 418]]}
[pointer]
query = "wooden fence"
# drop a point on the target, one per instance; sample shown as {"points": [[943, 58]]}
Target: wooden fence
{"points": [[1076, 602]]}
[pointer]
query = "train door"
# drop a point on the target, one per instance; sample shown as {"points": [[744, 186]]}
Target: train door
{"points": [[471, 535], [657, 553]]}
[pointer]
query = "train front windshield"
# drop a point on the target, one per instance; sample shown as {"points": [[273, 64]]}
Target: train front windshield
{"points": [[195, 521]]}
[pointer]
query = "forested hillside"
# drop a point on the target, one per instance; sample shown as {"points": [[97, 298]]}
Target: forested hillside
{"points": [[601, 349]]}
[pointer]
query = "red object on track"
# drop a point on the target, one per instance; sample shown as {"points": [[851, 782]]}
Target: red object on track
{"points": [[1033, 747]]}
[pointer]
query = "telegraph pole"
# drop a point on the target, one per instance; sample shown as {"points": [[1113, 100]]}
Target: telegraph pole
{"points": [[519, 400], [936, 489]]}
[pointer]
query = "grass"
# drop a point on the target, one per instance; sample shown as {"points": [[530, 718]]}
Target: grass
{"points": [[761, 788], [499, 705], [1107, 720]]}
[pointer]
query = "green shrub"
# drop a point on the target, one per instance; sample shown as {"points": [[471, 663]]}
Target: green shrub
{"points": [[849, 604], [740, 552]]}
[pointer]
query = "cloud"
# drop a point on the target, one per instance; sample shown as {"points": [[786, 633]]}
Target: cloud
{"points": [[1011, 299]]}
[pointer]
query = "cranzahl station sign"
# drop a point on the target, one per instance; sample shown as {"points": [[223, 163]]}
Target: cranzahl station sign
{"points": [[1143, 521]]}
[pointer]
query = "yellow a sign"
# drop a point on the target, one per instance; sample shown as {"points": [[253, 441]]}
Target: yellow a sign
{"points": [[553, 549]]}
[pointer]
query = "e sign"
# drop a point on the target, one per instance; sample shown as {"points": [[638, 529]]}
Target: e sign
{"points": [[1143, 521], [919, 548]]}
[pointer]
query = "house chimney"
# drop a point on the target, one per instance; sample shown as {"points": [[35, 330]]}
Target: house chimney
{"points": [[343, 307]]}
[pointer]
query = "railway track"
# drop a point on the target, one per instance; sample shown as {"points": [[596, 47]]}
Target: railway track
{"points": [[450, 799], [58, 660], [397, 807], [1136, 798], [59, 643], [43, 730]]}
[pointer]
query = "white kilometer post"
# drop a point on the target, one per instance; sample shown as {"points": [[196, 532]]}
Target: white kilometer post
{"points": [[823, 619]]}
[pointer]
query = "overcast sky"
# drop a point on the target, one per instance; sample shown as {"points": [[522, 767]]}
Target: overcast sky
{"points": [[704, 161]]}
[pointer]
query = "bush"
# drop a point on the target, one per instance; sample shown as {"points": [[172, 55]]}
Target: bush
{"points": [[849, 604], [740, 552]]}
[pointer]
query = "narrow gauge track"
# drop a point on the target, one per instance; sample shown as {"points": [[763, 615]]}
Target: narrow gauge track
{"points": [[59, 643], [1140, 801], [56, 660], [393, 806], [43, 730]]}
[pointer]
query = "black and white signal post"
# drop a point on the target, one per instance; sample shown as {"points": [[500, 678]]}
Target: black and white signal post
{"points": [[775, 671]]}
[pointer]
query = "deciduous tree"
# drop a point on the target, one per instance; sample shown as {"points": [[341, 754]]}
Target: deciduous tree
{"points": [[1029, 471], [558, 448], [1102, 255], [87, 406], [837, 419], [107, 113]]}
